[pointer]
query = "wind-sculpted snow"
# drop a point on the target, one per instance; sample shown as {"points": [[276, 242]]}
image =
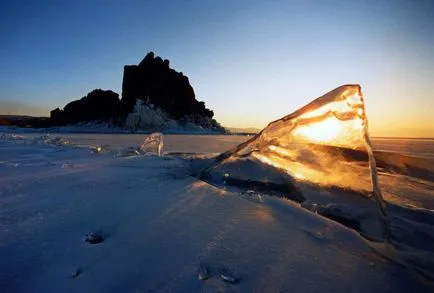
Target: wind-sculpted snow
{"points": [[325, 145]]}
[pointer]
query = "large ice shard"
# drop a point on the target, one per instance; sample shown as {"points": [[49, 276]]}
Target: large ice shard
{"points": [[320, 153]]}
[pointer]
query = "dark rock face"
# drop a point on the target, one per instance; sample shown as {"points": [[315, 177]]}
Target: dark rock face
{"points": [[155, 82], [57, 117], [98, 105], [152, 81]]}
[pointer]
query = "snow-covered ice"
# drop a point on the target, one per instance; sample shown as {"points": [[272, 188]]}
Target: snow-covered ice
{"points": [[160, 223]]}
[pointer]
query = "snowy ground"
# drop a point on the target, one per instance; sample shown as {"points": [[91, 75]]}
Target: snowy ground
{"points": [[161, 225]]}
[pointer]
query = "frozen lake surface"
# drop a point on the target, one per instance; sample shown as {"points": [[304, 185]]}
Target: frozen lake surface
{"points": [[221, 143], [161, 224]]}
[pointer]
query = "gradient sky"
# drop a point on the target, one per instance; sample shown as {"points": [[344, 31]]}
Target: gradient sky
{"points": [[250, 61]]}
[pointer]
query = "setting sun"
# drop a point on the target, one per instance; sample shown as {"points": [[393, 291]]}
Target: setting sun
{"points": [[324, 131], [338, 122]]}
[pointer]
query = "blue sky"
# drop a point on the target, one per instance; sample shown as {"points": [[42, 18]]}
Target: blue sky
{"points": [[250, 61]]}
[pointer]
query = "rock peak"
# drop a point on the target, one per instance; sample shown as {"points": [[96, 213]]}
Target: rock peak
{"points": [[154, 81]]}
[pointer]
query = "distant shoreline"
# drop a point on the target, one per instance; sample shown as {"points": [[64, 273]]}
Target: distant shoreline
{"points": [[231, 130], [4, 128], [402, 137]]}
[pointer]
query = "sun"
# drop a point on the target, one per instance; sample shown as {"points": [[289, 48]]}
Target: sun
{"points": [[327, 130]]}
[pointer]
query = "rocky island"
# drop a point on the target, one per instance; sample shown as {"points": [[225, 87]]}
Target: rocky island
{"points": [[155, 97]]}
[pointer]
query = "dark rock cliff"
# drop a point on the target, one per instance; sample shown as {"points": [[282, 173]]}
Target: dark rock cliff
{"points": [[152, 81], [98, 105], [155, 82]]}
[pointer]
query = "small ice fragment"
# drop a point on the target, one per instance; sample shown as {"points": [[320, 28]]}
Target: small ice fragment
{"points": [[48, 139], [310, 205], [319, 235], [226, 176], [203, 273], [153, 144], [94, 238], [97, 149], [228, 278], [67, 165], [127, 152], [250, 192], [75, 273]]}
